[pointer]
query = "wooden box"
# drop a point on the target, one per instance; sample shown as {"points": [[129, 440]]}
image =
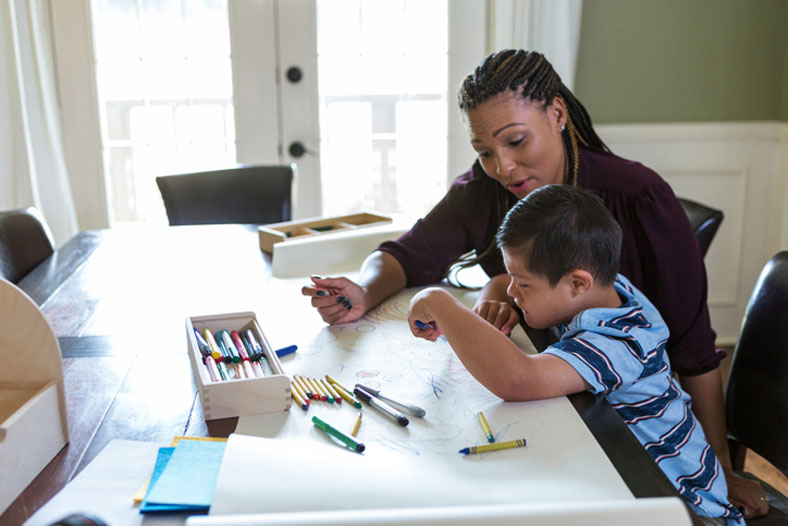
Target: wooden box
{"points": [[33, 424], [237, 397], [316, 227]]}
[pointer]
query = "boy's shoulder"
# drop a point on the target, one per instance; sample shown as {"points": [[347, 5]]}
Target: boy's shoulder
{"points": [[636, 318]]}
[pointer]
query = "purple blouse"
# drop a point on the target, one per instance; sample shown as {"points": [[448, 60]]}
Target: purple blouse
{"points": [[659, 254]]}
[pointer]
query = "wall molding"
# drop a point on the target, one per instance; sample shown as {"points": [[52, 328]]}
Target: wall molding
{"points": [[738, 167]]}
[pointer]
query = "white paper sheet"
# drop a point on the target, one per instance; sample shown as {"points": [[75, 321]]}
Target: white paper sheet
{"points": [[417, 465], [643, 512]]}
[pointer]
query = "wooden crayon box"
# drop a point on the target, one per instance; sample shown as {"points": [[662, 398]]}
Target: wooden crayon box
{"points": [[33, 424], [316, 227], [244, 396]]}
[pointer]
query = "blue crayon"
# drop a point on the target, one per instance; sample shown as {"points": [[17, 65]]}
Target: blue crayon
{"points": [[423, 326], [284, 351]]}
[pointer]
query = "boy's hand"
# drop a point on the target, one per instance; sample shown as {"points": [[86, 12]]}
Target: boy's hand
{"points": [[422, 322], [747, 495], [500, 314]]}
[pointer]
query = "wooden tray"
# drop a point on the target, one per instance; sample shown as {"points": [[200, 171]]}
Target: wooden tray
{"points": [[316, 227]]}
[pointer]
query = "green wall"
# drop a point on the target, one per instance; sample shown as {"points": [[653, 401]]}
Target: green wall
{"points": [[683, 60]]}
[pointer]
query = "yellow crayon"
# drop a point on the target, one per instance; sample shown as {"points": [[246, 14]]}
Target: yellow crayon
{"points": [[323, 393], [347, 396], [356, 425], [297, 388], [332, 394], [485, 427], [299, 401], [316, 392], [493, 447], [303, 385], [338, 384]]}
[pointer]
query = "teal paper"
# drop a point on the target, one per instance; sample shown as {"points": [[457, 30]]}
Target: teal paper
{"points": [[185, 478]]}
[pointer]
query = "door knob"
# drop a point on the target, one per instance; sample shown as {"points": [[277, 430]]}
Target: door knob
{"points": [[296, 149], [294, 74]]}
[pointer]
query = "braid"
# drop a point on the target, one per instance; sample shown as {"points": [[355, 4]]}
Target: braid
{"points": [[531, 76]]}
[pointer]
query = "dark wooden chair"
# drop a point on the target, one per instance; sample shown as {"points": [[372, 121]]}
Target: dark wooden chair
{"points": [[756, 398], [705, 222], [244, 194], [25, 241]]}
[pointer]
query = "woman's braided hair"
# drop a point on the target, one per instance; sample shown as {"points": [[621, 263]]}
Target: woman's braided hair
{"points": [[529, 75]]}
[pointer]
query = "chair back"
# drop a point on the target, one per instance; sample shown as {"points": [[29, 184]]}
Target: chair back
{"points": [[705, 222], [25, 241], [245, 194], [756, 399]]}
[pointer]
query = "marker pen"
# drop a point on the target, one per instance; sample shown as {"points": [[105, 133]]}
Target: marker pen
{"points": [[381, 406]]}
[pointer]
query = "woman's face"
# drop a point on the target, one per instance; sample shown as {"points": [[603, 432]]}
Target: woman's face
{"points": [[519, 142]]}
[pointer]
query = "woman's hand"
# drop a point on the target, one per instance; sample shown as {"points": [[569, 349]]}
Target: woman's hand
{"points": [[337, 300], [747, 495], [422, 322], [500, 314]]}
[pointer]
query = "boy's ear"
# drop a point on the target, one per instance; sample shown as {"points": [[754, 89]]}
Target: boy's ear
{"points": [[580, 281]]}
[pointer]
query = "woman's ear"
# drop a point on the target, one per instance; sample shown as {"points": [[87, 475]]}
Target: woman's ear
{"points": [[557, 113], [580, 281]]}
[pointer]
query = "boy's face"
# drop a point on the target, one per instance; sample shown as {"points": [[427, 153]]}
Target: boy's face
{"points": [[543, 306]]}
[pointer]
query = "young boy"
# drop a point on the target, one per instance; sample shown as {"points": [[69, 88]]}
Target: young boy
{"points": [[561, 248]]}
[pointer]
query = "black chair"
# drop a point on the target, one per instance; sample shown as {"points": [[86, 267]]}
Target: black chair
{"points": [[245, 194], [25, 241], [705, 222], [756, 398]]}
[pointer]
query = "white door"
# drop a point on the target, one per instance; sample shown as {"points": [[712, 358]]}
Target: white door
{"points": [[359, 89]]}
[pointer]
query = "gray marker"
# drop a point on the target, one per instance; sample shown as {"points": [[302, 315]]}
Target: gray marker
{"points": [[383, 407], [412, 409]]}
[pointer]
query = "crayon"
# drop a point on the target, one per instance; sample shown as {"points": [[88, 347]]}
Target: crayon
{"points": [[329, 430], [381, 406], [412, 409], [297, 388], [485, 426], [284, 351], [423, 326], [316, 394], [239, 345], [333, 381], [248, 337], [324, 394], [215, 351], [300, 401], [258, 371], [226, 356], [328, 387], [493, 447], [356, 425], [347, 396], [240, 374], [303, 385]]}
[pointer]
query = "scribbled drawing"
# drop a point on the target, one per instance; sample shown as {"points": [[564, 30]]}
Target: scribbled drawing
{"points": [[393, 377], [436, 388], [365, 328], [367, 373]]}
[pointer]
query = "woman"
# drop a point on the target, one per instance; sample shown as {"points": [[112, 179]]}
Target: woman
{"points": [[529, 131]]}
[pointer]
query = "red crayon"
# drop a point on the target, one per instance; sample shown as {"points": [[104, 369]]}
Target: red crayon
{"points": [[213, 371]]}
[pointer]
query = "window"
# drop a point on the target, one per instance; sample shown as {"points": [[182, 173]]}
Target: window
{"points": [[165, 96]]}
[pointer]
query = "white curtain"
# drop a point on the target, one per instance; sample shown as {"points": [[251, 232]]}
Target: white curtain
{"points": [[551, 27], [32, 166]]}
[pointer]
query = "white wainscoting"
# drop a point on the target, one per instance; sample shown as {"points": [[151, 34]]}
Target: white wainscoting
{"points": [[740, 168]]}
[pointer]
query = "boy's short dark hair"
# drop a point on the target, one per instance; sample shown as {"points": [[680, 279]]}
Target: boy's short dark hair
{"points": [[561, 228]]}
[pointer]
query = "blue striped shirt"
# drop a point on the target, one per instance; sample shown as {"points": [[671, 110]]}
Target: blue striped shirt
{"points": [[621, 352]]}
